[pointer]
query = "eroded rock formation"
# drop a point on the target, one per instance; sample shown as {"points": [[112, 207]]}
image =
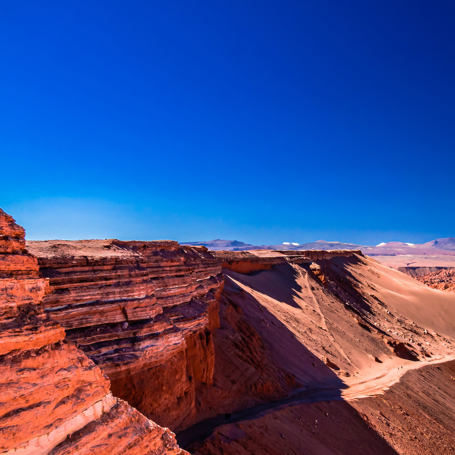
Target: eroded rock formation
{"points": [[144, 312], [53, 399], [441, 278]]}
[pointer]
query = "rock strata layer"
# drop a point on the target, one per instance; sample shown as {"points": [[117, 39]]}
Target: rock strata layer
{"points": [[53, 399], [144, 312]]}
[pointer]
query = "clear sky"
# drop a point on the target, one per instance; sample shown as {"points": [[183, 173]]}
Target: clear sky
{"points": [[262, 121]]}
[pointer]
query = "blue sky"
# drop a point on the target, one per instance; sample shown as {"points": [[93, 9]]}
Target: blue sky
{"points": [[261, 121]]}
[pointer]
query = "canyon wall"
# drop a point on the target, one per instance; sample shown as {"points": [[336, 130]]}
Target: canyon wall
{"points": [[144, 312], [89, 329], [53, 399]]}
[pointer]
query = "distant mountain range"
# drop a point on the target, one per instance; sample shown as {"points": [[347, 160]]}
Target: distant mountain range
{"points": [[235, 245], [441, 246]]}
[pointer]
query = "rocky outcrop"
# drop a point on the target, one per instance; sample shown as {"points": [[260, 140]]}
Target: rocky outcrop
{"points": [[144, 312], [53, 399], [441, 278]]}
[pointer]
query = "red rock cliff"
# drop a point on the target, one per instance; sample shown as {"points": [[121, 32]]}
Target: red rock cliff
{"points": [[53, 399], [142, 311]]}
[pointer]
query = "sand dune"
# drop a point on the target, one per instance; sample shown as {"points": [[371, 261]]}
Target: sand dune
{"points": [[350, 321]]}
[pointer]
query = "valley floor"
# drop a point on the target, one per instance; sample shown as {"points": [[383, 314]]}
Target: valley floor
{"points": [[415, 416]]}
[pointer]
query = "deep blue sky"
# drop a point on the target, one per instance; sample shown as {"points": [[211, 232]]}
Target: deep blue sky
{"points": [[263, 121]]}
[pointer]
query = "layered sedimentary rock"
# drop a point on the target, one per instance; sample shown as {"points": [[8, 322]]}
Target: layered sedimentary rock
{"points": [[441, 278], [53, 399], [142, 311]]}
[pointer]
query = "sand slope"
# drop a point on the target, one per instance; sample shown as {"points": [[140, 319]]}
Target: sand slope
{"points": [[353, 321], [349, 325]]}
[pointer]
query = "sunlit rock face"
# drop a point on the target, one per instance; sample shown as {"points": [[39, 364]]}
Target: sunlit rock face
{"points": [[53, 399], [144, 312]]}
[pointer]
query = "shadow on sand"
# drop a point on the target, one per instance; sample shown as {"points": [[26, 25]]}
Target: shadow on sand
{"points": [[315, 381]]}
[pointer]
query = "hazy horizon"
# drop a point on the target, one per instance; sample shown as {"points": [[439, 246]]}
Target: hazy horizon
{"points": [[255, 121], [71, 220]]}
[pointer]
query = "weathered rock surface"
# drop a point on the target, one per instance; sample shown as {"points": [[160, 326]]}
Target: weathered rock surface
{"points": [[144, 312], [53, 399]]}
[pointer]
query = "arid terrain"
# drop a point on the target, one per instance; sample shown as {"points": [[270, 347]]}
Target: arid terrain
{"points": [[113, 347], [381, 398], [432, 263]]}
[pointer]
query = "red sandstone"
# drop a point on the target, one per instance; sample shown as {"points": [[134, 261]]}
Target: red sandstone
{"points": [[53, 399]]}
